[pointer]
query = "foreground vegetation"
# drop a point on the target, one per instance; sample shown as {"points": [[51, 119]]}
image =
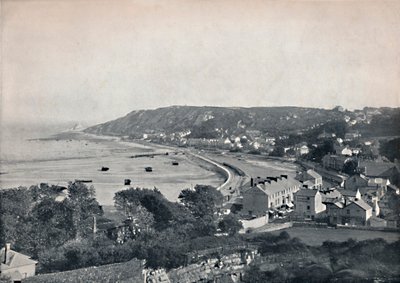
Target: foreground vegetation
{"points": [[289, 260], [58, 232]]}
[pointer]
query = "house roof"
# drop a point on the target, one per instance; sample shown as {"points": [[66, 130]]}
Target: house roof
{"points": [[306, 192], [309, 175], [361, 204], [367, 190], [349, 193], [376, 169], [274, 186], [14, 259], [308, 183], [331, 194], [393, 187], [359, 177], [334, 202], [313, 174]]}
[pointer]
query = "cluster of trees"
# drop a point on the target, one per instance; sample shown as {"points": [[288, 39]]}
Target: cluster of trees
{"points": [[58, 231], [390, 149], [174, 227], [38, 219]]}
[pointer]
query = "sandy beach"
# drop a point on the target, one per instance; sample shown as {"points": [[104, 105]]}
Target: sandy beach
{"points": [[69, 156]]}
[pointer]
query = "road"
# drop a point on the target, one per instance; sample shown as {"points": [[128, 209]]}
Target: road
{"points": [[233, 181]]}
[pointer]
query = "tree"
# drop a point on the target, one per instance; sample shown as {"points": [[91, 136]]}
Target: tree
{"points": [[201, 201], [254, 275], [278, 151], [230, 224], [390, 149], [350, 167], [81, 200], [50, 224], [14, 210]]}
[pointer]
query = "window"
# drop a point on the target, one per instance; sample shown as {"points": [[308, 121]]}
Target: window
{"points": [[348, 211], [308, 198], [308, 207]]}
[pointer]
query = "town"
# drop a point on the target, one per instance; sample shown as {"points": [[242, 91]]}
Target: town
{"points": [[199, 141], [338, 179]]}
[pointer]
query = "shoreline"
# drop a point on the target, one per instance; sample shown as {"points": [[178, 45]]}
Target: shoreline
{"points": [[196, 167], [170, 180]]}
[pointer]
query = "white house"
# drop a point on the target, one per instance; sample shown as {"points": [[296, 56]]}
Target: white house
{"points": [[15, 265]]}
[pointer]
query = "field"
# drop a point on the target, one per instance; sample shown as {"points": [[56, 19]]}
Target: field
{"points": [[316, 236]]}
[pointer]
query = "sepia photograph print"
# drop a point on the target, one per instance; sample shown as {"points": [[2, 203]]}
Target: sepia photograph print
{"points": [[199, 141]]}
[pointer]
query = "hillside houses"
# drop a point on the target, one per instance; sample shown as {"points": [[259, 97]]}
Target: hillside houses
{"points": [[352, 135], [310, 179], [335, 162], [355, 212], [379, 169], [343, 150], [335, 206], [372, 190]]}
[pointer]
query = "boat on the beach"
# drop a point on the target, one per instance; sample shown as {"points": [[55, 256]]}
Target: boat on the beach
{"points": [[148, 169], [83, 181], [104, 168], [175, 163], [127, 182]]}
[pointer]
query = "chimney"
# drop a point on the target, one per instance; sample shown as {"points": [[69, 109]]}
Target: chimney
{"points": [[7, 248]]}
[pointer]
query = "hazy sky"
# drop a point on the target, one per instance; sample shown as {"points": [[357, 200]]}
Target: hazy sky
{"points": [[97, 60]]}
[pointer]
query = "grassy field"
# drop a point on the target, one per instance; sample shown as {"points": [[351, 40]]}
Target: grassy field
{"points": [[316, 236], [130, 271]]}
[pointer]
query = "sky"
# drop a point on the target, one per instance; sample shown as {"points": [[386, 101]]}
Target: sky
{"points": [[94, 60]]}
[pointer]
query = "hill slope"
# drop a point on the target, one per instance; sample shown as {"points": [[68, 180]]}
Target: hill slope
{"points": [[215, 122]]}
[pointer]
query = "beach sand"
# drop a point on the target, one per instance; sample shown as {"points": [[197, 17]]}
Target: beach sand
{"points": [[73, 156]]}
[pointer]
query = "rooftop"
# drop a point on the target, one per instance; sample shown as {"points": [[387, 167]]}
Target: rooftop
{"points": [[376, 168], [279, 185], [306, 192], [14, 259], [361, 204], [349, 193]]}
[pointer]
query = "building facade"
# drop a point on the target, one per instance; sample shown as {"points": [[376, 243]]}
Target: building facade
{"points": [[268, 193], [356, 212], [308, 203]]}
